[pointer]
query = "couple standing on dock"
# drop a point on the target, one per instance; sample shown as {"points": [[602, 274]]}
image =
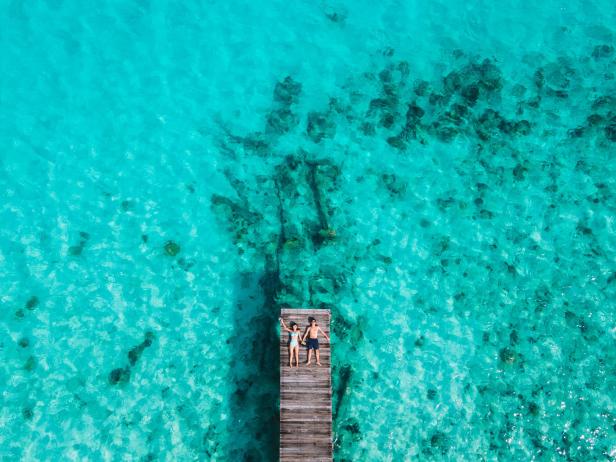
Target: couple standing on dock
{"points": [[312, 332]]}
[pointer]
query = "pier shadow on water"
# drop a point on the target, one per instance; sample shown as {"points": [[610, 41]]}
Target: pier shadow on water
{"points": [[255, 369]]}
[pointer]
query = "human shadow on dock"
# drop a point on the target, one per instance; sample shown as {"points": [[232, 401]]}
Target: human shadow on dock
{"points": [[255, 368]]}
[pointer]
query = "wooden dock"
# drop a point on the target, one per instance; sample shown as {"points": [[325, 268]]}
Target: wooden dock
{"points": [[305, 394]]}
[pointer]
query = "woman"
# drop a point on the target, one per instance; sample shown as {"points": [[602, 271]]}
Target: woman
{"points": [[293, 342]]}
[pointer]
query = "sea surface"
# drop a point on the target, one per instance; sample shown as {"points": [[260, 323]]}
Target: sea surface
{"points": [[440, 174]]}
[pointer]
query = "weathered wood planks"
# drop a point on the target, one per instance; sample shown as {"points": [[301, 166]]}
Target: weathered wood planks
{"points": [[305, 394]]}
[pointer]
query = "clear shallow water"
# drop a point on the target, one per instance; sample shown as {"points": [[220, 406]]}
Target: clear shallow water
{"points": [[441, 175]]}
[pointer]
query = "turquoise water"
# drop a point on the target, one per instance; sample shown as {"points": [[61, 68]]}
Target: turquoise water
{"points": [[440, 174]]}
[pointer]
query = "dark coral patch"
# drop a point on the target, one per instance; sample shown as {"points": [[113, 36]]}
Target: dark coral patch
{"points": [[27, 413], [281, 120], [602, 51], [610, 130], [30, 364], [287, 91], [172, 248], [32, 302], [440, 442], [319, 126], [119, 375], [135, 353], [507, 355]]}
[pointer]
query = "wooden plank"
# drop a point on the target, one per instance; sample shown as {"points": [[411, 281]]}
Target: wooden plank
{"points": [[305, 394]]}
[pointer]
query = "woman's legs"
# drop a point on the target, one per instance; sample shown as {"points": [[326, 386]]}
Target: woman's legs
{"points": [[290, 356], [297, 356]]}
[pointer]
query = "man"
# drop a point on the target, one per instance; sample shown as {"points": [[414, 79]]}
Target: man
{"points": [[313, 341]]}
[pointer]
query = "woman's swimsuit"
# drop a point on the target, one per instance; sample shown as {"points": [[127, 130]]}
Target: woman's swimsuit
{"points": [[294, 336]]}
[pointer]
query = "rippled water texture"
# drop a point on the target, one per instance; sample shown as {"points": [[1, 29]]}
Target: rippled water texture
{"points": [[440, 174]]}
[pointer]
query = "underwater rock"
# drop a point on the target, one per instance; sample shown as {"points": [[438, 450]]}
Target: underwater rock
{"points": [[557, 75], [398, 141], [489, 122], [479, 77], [539, 78], [119, 375], [533, 408], [490, 76], [379, 104], [185, 264], [522, 127], [127, 205], [135, 353], [507, 355], [604, 105], [237, 214], [602, 51], [256, 142], [387, 120], [444, 132], [32, 302], [319, 127], [439, 441], [287, 92], [280, 121], [436, 99], [24, 342], [456, 113], [518, 172], [172, 248], [394, 184], [414, 113], [610, 130], [421, 88], [452, 82], [328, 233], [337, 17], [30, 364], [76, 250], [27, 413], [486, 214], [594, 119], [344, 375], [292, 243], [557, 93], [385, 108], [352, 426]]}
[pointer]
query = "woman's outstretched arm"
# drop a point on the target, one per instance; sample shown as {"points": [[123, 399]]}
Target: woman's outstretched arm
{"points": [[284, 326]]}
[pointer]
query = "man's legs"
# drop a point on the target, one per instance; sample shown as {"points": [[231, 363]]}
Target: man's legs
{"points": [[317, 353], [309, 356]]}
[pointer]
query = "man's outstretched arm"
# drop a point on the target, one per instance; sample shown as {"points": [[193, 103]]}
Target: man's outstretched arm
{"points": [[324, 334]]}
